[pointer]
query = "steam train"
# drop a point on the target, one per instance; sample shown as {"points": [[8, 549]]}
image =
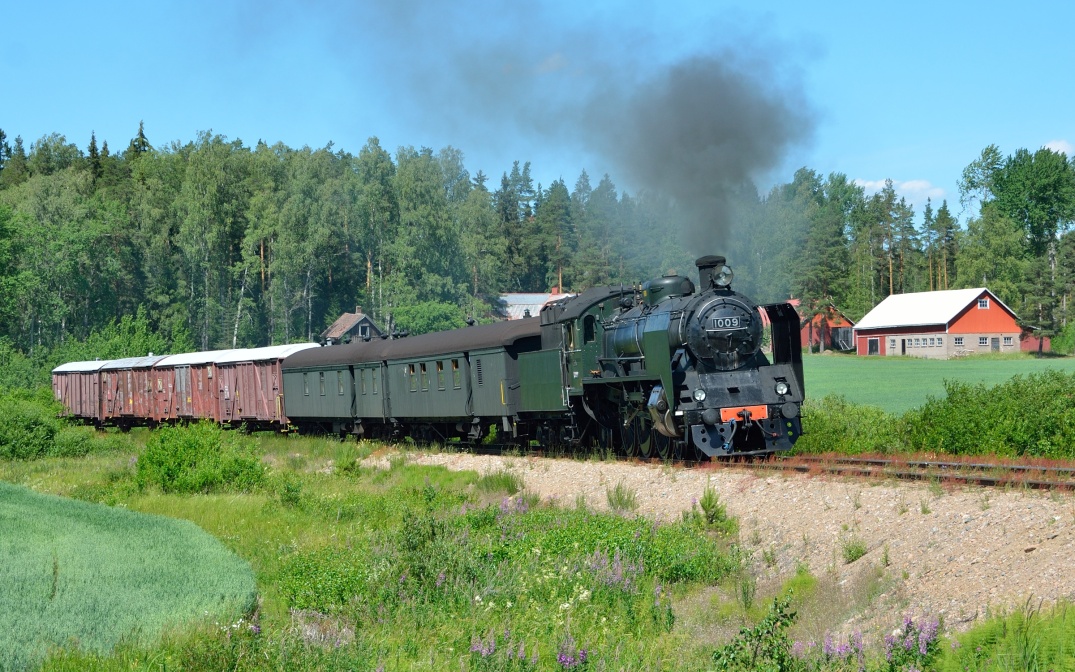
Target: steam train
{"points": [[667, 369]]}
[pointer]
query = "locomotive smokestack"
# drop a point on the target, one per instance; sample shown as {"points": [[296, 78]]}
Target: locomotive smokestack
{"points": [[706, 266]]}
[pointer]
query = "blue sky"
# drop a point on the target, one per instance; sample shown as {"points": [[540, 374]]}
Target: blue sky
{"points": [[910, 91]]}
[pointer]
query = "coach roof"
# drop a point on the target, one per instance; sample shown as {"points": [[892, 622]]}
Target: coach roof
{"points": [[498, 334]]}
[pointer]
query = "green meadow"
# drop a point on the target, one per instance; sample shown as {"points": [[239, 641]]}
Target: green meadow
{"points": [[898, 384]]}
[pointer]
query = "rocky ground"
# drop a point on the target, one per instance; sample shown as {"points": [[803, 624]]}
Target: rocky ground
{"points": [[957, 554]]}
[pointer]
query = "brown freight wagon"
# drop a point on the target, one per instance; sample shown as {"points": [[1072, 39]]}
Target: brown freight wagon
{"points": [[188, 387], [128, 391], [249, 385], [77, 385]]}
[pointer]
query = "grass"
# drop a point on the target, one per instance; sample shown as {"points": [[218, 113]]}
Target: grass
{"points": [[74, 571], [406, 566], [898, 384]]}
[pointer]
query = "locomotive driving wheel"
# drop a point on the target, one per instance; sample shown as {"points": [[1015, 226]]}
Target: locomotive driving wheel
{"points": [[631, 430], [645, 436], [664, 445]]}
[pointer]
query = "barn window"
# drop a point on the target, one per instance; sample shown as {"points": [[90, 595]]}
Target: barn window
{"points": [[940, 340], [457, 375], [983, 340], [892, 343], [959, 341], [931, 341], [1008, 340], [983, 304]]}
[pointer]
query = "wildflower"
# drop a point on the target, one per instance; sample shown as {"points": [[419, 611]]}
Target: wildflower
{"points": [[440, 579]]}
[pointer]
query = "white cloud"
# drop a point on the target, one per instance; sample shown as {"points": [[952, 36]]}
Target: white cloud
{"points": [[1062, 146], [915, 191]]}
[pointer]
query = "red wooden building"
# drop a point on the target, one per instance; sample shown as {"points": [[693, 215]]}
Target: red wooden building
{"points": [[938, 325]]}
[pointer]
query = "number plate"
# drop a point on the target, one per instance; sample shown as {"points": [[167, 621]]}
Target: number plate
{"points": [[722, 323]]}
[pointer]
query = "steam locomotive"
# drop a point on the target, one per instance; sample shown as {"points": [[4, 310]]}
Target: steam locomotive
{"points": [[667, 369]]}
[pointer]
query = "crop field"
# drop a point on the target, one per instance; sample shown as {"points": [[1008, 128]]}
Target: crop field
{"points": [[73, 571], [898, 384]]}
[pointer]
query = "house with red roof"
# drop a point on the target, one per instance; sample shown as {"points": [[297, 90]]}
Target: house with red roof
{"points": [[938, 325]]}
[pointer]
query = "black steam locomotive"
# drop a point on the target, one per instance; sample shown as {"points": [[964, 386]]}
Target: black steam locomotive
{"points": [[668, 369]]}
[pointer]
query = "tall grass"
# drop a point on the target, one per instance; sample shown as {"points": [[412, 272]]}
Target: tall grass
{"points": [[89, 574]]}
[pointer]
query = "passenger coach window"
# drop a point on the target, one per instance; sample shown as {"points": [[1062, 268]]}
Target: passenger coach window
{"points": [[362, 380], [440, 375], [457, 375], [425, 376], [339, 382], [374, 375], [306, 384], [414, 379], [322, 377]]}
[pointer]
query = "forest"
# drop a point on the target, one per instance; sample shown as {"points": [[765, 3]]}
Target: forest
{"points": [[216, 244]]}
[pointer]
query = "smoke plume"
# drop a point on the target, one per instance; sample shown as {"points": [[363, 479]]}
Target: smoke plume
{"points": [[697, 125]]}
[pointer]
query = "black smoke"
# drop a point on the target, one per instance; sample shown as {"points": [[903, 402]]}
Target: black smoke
{"points": [[698, 124]]}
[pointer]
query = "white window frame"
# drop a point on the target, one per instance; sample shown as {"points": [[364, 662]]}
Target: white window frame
{"points": [[983, 303], [983, 341]]}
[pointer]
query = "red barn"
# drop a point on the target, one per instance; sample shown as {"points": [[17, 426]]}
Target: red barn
{"points": [[938, 325]]}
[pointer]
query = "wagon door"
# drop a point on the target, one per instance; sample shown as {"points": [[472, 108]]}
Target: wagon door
{"points": [[183, 400]]}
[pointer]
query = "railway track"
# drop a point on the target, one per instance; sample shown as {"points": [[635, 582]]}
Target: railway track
{"points": [[980, 473], [986, 474]]}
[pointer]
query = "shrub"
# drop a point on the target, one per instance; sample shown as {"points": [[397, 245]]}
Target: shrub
{"points": [[833, 424], [27, 429], [1032, 415], [198, 458]]}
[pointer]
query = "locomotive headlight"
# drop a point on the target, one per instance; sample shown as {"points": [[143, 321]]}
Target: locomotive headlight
{"points": [[781, 388], [723, 276], [699, 395]]}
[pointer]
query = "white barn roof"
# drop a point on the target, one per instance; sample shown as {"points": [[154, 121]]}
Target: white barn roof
{"points": [[923, 308]]}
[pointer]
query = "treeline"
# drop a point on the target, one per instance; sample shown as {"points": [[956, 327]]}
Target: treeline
{"points": [[225, 245]]}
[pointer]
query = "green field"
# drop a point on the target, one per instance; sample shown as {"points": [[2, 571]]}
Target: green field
{"points": [[90, 575], [898, 384]]}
